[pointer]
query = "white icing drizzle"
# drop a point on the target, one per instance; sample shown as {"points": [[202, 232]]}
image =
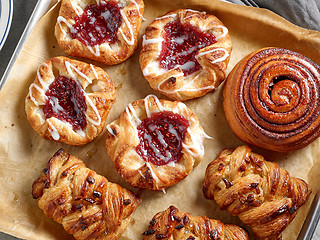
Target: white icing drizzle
{"points": [[224, 32], [53, 131], [69, 67], [151, 41], [41, 89], [130, 42], [155, 177], [166, 16], [76, 10], [62, 19], [134, 118], [94, 71], [187, 65], [224, 57], [110, 130], [137, 6], [95, 50], [159, 105]]}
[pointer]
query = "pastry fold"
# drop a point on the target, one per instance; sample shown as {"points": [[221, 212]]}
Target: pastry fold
{"points": [[85, 203], [263, 195], [271, 99], [176, 225]]}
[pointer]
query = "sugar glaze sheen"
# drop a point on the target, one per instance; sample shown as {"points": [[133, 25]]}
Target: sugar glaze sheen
{"points": [[185, 54], [162, 170], [109, 29]]}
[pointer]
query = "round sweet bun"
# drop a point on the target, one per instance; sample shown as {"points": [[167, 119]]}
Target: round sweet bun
{"points": [[207, 68], [139, 169], [50, 97], [111, 51], [271, 99]]}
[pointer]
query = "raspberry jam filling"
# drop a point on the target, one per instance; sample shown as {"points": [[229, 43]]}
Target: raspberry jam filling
{"points": [[66, 102], [161, 137], [181, 44], [98, 24]]}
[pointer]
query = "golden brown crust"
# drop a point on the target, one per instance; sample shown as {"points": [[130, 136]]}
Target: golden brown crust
{"points": [[109, 54], [122, 139], [213, 58], [260, 193], [99, 94], [176, 225], [85, 203], [271, 99]]}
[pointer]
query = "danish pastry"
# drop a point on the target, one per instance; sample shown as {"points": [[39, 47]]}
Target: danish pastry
{"points": [[260, 193], [176, 225], [271, 99], [185, 54], [85, 203], [103, 30], [155, 143], [69, 101]]}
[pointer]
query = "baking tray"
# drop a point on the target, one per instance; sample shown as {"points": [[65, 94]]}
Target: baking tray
{"points": [[42, 7]]}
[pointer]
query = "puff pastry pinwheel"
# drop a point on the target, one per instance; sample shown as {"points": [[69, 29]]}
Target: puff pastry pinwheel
{"points": [[185, 54], [271, 99], [103, 30], [176, 225], [69, 101], [155, 143], [85, 203], [263, 195]]}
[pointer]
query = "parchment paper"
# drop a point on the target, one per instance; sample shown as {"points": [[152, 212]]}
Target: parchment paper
{"points": [[23, 154]]}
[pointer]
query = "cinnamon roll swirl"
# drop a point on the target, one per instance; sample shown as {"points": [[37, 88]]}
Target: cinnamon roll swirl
{"points": [[271, 99]]}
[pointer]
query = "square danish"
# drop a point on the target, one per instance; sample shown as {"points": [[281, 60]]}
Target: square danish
{"points": [[69, 101], [185, 54], [103, 30], [155, 143]]}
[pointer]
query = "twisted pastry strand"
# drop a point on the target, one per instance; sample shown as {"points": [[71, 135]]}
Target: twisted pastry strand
{"points": [[175, 225], [85, 203], [271, 99], [260, 193]]}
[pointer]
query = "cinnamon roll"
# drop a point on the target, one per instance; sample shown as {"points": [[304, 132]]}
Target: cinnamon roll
{"points": [[263, 195], [271, 99]]}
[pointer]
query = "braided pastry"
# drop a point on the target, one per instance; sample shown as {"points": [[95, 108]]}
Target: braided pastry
{"points": [[85, 203], [103, 30], [260, 193], [271, 99], [185, 54], [175, 225]]}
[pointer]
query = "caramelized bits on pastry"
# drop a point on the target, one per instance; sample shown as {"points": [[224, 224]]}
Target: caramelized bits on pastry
{"points": [[185, 54], [85, 203], [271, 99], [263, 195], [69, 101], [155, 143], [176, 225], [106, 30]]}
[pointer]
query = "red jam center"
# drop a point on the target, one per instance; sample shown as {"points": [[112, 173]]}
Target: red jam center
{"points": [[66, 102], [161, 137], [98, 24], [181, 44]]}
